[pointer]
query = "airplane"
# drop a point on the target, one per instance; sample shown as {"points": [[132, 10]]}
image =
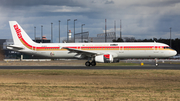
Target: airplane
{"points": [[93, 52]]}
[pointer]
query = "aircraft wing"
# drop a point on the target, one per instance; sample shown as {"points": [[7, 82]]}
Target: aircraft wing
{"points": [[82, 52]]}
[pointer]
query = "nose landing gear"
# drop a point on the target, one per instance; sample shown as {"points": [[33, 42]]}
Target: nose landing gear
{"points": [[156, 62]]}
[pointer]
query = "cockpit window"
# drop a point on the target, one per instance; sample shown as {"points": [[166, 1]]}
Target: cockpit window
{"points": [[167, 48]]}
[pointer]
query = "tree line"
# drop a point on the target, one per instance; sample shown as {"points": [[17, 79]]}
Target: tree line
{"points": [[174, 42]]}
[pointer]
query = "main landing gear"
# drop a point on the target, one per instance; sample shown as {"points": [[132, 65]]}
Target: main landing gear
{"points": [[93, 63]]}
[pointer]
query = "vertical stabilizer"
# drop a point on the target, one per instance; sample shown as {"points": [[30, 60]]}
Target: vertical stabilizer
{"points": [[20, 37]]}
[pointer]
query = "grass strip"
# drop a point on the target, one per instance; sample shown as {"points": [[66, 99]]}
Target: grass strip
{"points": [[90, 85]]}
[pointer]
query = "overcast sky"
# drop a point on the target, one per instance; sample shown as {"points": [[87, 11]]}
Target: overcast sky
{"points": [[140, 18]]}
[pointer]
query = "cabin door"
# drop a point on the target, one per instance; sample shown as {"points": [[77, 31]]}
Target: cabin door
{"points": [[156, 49], [121, 49]]}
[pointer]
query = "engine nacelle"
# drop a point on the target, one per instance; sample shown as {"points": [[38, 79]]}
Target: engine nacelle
{"points": [[104, 58]]}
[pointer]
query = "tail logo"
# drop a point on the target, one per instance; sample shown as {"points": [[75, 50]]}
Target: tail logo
{"points": [[18, 31]]}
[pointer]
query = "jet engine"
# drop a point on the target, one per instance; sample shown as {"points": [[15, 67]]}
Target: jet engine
{"points": [[106, 58]]}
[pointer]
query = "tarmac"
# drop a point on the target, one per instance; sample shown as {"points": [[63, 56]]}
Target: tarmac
{"points": [[160, 67], [79, 64]]}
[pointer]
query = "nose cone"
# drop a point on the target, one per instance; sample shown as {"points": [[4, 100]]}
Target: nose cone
{"points": [[170, 53], [173, 52]]}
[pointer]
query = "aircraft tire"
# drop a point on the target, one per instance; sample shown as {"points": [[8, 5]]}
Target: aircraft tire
{"points": [[87, 63], [93, 63]]}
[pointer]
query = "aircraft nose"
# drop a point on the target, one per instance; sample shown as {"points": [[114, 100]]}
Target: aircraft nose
{"points": [[174, 52]]}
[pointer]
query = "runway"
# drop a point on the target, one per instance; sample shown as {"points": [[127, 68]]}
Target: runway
{"points": [[161, 66]]}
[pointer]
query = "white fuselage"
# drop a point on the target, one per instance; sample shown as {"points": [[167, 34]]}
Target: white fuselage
{"points": [[117, 50]]}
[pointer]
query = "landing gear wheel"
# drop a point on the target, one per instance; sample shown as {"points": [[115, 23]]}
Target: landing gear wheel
{"points": [[93, 63], [87, 63], [156, 62]]}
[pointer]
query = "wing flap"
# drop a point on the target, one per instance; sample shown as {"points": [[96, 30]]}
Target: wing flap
{"points": [[82, 52]]}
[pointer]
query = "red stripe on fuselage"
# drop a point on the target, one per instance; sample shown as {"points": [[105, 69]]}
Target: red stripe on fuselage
{"points": [[26, 43]]}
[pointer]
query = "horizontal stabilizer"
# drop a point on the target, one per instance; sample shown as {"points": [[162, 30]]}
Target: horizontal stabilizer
{"points": [[15, 47]]}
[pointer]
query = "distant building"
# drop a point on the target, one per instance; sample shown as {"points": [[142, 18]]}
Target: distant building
{"points": [[1, 43], [100, 39], [1, 49], [42, 40], [79, 37], [10, 54]]}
